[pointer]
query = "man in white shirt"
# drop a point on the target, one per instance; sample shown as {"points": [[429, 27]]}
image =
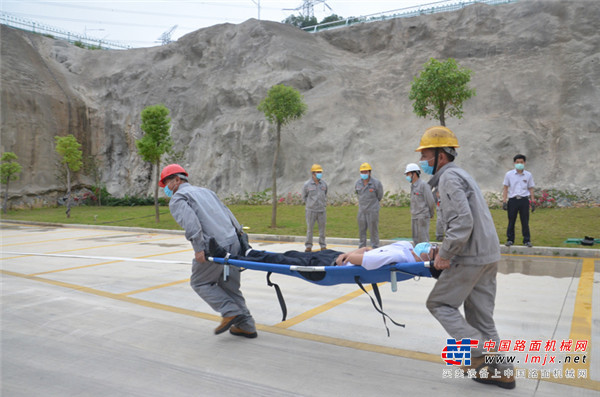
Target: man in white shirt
{"points": [[517, 193]]}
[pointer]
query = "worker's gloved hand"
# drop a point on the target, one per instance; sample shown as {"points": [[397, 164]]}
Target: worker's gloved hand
{"points": [[505, 206], [532, 206]]}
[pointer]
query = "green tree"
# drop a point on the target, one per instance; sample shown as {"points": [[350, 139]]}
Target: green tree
{"points": [[93, 167], [332, 18], [9, 171], [70, 152], [156, 123], [440, 90], [282, 105], [301, 21]]}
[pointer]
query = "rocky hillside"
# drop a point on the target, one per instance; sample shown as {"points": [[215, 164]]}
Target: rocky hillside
{"points": [[536, 70]]}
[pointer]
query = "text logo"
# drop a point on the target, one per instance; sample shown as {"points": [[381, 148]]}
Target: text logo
{"points": [[458, 352]]}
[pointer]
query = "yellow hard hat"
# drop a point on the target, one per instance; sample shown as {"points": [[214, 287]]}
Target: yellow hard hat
{"points": [[365, 167], [438, 136], [316, 168]]}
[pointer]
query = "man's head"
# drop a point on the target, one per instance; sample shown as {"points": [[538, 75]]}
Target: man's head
{"points": [[412, 170], [425, 251], [317, 171], [520, 161], [438, 148], [365, 171], [171, 177]]}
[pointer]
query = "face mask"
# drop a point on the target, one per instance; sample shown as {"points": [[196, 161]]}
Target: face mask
{"points": [[319, 175], [520, 167], [364, 176], [428, 169], [168, 191], [409, 178], [422, 248]]}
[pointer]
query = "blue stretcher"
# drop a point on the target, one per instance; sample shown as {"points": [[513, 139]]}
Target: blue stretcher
{"points": [[332, 275]]}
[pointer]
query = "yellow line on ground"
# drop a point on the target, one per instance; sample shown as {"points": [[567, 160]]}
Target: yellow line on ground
{"points": [[110, 245], [581, 324], [155, 287], [72, 268], [98, 264], [57, 239], [433, 358], [323, 308]]}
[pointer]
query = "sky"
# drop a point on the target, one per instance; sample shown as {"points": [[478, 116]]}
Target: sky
{"points": [[140, 23]]}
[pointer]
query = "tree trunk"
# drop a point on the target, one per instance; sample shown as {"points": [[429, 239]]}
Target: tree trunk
{"points": [[68, 192], [274, 176], [5, 204], [443, 115], [156, 172]]}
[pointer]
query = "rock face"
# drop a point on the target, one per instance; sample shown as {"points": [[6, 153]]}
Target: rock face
{"points": [[536, 70]]}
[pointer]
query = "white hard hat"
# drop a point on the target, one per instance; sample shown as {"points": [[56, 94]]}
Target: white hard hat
{"points": [[412, 167]]}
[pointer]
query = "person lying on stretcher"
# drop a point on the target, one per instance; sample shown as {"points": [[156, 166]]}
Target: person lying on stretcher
{"points": [[369, 258]]}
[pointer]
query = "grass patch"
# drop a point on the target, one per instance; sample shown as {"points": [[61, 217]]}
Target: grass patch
{"points": [[550, 227]]}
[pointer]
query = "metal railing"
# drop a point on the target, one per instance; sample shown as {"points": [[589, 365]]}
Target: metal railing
{"points": [[429, 8], [57, 33]]}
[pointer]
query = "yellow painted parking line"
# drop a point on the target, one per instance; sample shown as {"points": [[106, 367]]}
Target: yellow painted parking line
{"points": [[323, 308], [57, 239], [99, 264], [433, 358], [111, 245], [581, 324], [73, 268], [155, 287]]}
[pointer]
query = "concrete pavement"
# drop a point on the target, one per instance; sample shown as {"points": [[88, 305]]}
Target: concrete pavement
{"points": [[109, 311]]}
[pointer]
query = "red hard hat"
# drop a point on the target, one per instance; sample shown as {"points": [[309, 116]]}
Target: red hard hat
{"points": [[169, 170]]}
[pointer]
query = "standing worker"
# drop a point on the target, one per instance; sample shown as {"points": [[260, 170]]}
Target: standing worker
{"points": [[422, 204], [370, 193], [468, 256], [518, 189], [202, 215], [314, 194]]}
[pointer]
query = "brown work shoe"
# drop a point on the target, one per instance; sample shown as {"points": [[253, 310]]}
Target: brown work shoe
{"points": [[226, 323], [491, 375], [237, 331], [476, 362], [308, 249]]}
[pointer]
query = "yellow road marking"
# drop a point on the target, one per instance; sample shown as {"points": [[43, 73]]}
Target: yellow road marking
{"points": [[97, 264], [155, 287], [56, 239], [433, 358], [581, 324], [323, 308]]}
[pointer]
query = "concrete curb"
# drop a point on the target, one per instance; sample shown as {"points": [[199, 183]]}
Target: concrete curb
{"points": [[513, 250]]}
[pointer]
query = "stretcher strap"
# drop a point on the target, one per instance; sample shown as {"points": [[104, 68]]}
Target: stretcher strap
{"points": [[380, 308], [279, 296]]}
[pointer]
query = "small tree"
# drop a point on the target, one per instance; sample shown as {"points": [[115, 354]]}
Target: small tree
{"points": [[9, 171], [282, 105], [93, 167], [440, 90], [70, 152], [157, 141]]}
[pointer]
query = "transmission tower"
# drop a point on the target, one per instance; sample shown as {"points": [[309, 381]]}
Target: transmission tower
{"points": [[307, 9], [165, 38]]}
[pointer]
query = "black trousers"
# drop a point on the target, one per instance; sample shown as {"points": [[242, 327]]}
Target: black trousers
{"points": [[318, 258], [518, 206]]}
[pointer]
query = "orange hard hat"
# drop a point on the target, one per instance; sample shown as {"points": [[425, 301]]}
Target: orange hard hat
{"points": [[169, 170]]}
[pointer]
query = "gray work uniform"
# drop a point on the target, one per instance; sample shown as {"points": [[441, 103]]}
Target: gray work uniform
{"points": [[315, 197], [471, 243], [202, 215], [422, 209], [369, 196]]}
